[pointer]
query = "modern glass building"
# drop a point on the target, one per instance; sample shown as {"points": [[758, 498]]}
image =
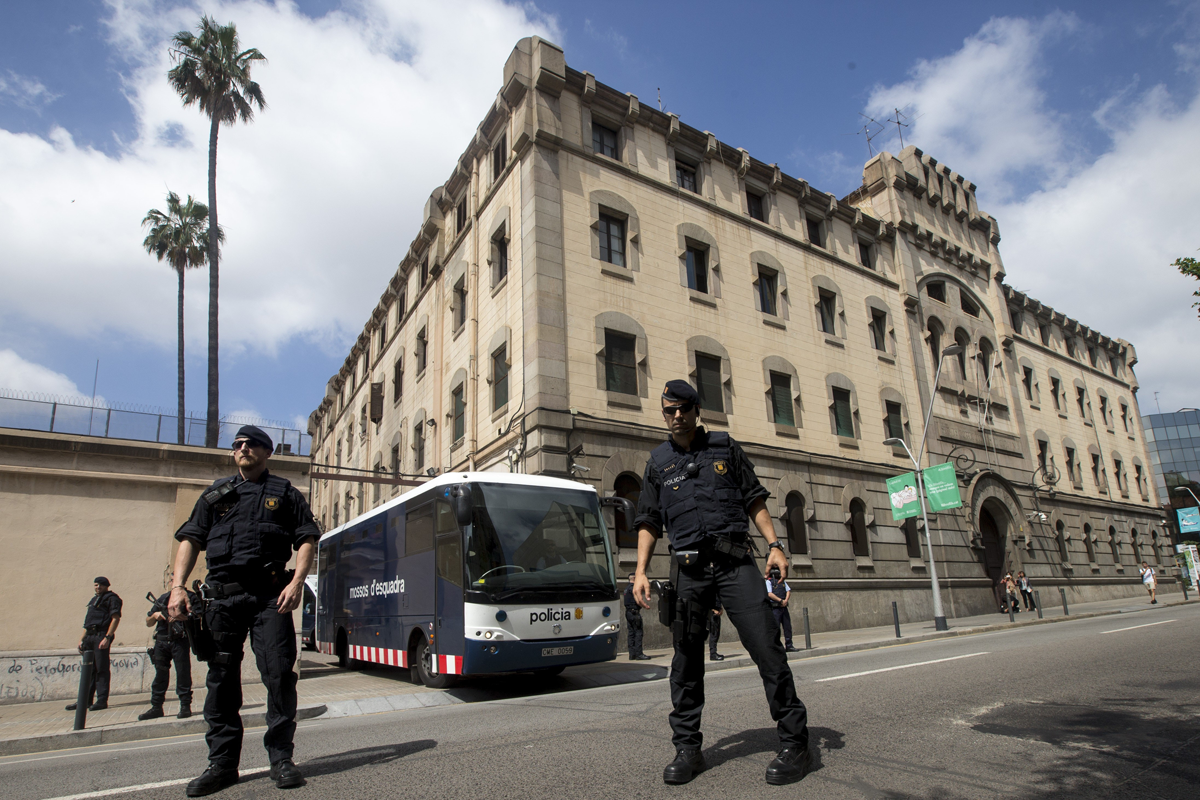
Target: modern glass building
{"points": [[1174, 442]]}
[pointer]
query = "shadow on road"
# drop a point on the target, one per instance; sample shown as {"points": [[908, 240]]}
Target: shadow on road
{"points": [[763, 741], [367, 756]]}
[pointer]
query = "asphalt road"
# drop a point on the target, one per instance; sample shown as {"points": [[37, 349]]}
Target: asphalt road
{"points": [[1105, 707]]}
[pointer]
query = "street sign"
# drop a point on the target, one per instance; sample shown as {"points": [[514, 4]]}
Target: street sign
{"points": [[941, 487], [902, 491], [1189, 519]]}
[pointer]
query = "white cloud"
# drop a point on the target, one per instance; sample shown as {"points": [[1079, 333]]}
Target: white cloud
{"points": [[19, 375], [1094, 238], [25, 92], [319, 197]]}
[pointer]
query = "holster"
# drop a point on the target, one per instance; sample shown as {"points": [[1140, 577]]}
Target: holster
{"points": [[691, 622], [200, 638], [666, 602]]}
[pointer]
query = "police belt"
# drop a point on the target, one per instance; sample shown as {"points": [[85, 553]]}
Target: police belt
{"points": [[220, 591], [712, 548], [94, 629]]}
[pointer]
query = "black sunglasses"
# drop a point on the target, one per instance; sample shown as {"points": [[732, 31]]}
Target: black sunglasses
{"points": [[686, 408]]}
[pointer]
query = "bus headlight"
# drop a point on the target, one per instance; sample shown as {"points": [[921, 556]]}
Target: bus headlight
{"points": [[611, 627], [487, 635]]}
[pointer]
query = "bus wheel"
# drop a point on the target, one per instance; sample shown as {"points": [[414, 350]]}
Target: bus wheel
{"points": [[425, 672]]}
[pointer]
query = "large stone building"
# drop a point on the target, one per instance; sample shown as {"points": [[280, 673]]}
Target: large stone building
{"points": [[586, 248]]}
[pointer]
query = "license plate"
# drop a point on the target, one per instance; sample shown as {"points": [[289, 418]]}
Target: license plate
{"points": [[558, 651]]}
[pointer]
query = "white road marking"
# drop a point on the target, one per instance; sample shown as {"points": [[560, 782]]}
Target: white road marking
{"points": [[143, 787], [902, 666], [1134, 627]]}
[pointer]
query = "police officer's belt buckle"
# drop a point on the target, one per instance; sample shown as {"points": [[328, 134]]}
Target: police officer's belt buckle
{"points": [[686, 558]]}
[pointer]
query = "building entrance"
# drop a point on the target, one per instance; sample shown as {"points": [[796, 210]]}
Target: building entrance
{"points": [[991, 531]]}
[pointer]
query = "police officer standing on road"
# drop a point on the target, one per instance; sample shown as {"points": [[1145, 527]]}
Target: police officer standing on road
{"points": [[778, 593], [633, 625], [99, 630], [170, 645], [701, 487], [248, 525]]}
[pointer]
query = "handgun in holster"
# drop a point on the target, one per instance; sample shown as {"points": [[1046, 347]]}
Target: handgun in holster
{"points": [[691, 622], [200, 638], [666, 601]]}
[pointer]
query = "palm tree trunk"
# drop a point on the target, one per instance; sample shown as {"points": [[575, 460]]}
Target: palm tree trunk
{"points": [[182, 413], [212, 425]]}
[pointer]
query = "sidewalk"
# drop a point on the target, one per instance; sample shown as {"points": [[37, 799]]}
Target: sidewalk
{"points": [[326, 691]]}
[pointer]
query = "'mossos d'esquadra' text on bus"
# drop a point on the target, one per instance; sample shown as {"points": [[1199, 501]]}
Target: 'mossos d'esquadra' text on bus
{"points": [[377, 589]]}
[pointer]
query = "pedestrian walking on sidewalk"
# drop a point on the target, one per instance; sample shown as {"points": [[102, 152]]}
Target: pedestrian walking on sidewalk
{"points": [[1150, 581], [714, 633], [1026, 591], [170, 646], [99, 630], [701, 488], [248, 525], [633, 624]]}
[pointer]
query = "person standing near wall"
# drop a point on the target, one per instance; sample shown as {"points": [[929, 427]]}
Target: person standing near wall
{"points": [[99, 630], [1026, 591], [1150, 581], [778, 593], [170, 645], [633, 624]]}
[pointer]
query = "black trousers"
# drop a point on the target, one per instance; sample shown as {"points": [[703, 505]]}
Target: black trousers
{"points": [[273, 641], [634, 631], [742, 591], [783, 618], [102, 674], [714, 632], [1027, 596], [166, 651]]}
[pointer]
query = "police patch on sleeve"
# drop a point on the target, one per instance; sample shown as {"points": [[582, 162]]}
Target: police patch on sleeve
{"points": [[720, 467], [271, 503]]}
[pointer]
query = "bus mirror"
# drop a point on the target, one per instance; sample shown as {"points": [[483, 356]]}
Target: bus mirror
{"points": [[460, 497], [623, 513]]}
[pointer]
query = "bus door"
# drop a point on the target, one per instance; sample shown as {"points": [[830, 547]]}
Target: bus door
{"points": [[449, 643]]}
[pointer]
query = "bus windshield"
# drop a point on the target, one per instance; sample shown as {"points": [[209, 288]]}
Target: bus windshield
{"points": [[527, 540]]}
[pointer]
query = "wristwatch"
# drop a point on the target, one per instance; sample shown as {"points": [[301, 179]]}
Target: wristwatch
{"points": [[776, 545]]}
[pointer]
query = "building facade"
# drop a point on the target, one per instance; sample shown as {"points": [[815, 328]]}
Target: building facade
{"points": [[1174, 442], [587, 249]]}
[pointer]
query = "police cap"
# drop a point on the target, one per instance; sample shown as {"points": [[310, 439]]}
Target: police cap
{"points": [[680, 391], [254, 434], [103, 581]]}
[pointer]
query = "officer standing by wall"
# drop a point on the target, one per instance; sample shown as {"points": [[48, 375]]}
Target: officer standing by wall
{"points": [[248, 525], [633, 625], [778, 593], [714, 633], [170, 645], [99, 630], [701, 487]]}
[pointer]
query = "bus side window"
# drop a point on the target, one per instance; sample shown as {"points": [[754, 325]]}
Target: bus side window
{"points": [[418, 530], [449, 545]]}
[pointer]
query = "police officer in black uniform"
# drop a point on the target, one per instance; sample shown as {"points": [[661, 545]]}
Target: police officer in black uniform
{"points": [[248, 525], [99, 629], [170, 645], [633, 624], [701, 487]]}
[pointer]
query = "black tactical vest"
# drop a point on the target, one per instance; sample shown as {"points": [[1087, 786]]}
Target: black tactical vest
{"points": [[699, 495], [252, 525]]}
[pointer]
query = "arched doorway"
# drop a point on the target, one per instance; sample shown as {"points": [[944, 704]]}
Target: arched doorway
{"points": [[992, 529]]}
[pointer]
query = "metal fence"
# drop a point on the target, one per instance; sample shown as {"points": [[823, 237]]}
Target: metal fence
{"points": [[57, 416]]}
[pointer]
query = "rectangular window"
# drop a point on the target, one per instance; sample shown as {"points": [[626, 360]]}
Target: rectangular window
{"points": [[1080, 397], [382, 334], [500, 156], [612, 240], [423, 274], [936, 291], [1125, 416], [815, 234], [879, 330], [500, 267], [1096, 470], [419, 447], [460, 303], [459, 411], [685, 176], [418, 529], [768, 290], [754, 206], [1056, 391], [1104, 409], [782, 409], [894, 422], [421, 350], [604, 141], [1118, 472], [1043, 448], [1071, 466], [394, 463], [1137, 474], [460, 216], [842, 416], [697, 269], [620, 362], [708, 383], [866, 255], [827, 305], [500, 378], [398, 380], [401, 307], [1027, 382]]}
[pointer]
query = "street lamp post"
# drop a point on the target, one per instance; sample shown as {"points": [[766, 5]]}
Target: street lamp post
{"points": [[939, 615], [1188, 489]]}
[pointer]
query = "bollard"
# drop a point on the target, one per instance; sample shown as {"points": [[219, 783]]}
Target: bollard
{"points": [[1011, 618], [807, 635], [1037, 601], [896, 619], [85, 689], [1184, 584], [1063, 592]]}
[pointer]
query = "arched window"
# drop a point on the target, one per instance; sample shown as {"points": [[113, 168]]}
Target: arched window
{"points": [[985, 360], [1060, 538], [963, 340], [858, 528], [1112, 543], [629, 486], [1154, 546], [912, 538], [935, 340], [797, 530], [1136, 545], [1088, 543]]}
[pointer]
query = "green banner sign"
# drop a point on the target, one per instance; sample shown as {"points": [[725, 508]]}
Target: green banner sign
{"points": [[941, 487], [902, 491]]}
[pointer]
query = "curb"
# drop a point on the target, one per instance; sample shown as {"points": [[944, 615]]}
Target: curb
{"points": [[132, 733]]}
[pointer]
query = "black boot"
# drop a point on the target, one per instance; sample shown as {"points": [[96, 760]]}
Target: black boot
{"points": [[789, 766], [213, 779], [185, 709], [687, 765], [154, 713], [286, 774], [72, 707], [99, 705]]}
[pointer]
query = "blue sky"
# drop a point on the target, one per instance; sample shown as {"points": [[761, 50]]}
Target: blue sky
{"points": [[1076, 120]]}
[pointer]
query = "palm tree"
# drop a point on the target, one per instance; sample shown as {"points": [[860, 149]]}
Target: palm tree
{"points": [[179, 237], [213, 72]]}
